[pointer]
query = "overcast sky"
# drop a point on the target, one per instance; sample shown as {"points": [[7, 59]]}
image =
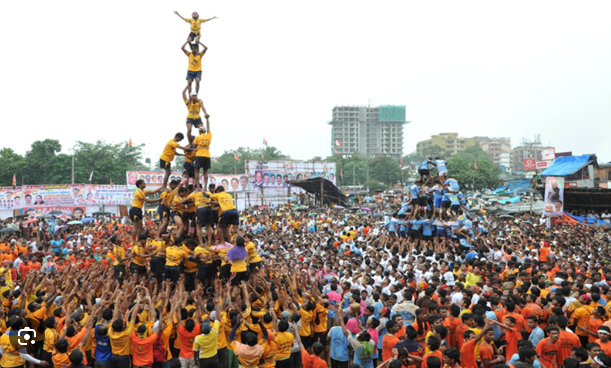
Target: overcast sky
{"points": [[113, 70]]}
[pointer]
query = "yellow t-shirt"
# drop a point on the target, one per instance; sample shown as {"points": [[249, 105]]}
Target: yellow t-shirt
{"points": [[174, 256], [120, 342], [137, 251], [195, 61], [177, 207], [207, 344], [194, 108], [285, 343], [160, 247], [225, 201], [169, 151], [118, 252], [51, 337], [190, 266], [10, 356], [203, 144], [222, 252], [138, 200], [253, 257], [196, 24], [306, 323], [202, 251], [200, 199], [189, 156]]}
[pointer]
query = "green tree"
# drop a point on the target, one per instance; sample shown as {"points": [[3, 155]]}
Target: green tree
{"points": [[11, 164], [462, 168], [39, 161], [384, 170], [227, 164], [107, 161], [414, 157], [434, 151]]}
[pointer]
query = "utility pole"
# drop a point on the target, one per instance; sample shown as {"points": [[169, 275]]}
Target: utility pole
{"points": [[72, 176], [353, 174]]}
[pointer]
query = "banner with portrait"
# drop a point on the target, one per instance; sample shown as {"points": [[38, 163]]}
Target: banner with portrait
{"points": [[11, 199], [278, 173], [77, 212], [74, 195], [154, 179], [554, 196]]}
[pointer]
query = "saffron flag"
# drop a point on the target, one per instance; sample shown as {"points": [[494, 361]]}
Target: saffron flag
{"points": [[264, 142], [14, 183], [130, 142], [401, 161], [91, 177], [338, 143], [214, 159], [236, 157], [475, 165]]}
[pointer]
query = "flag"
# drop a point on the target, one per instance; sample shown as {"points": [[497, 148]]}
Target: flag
{"points": [[335, 149], [214, 159], [236, 157], [91, 177], [475, 165], [262, 156], [264, 142], [14, 183], [401, 161], [111, 182], [338, 143], [248, 148], [325, 167], [289, 157], [130, 142], [341, 173]]}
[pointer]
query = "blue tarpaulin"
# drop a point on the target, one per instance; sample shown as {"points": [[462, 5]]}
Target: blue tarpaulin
{"points": [[511, 200], [582, 219], [567, 165], [519, 186]]}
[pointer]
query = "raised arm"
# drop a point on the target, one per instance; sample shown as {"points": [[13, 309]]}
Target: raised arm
{"points": [[187, 53], [209, 19], [204, 48], [175, 12]]}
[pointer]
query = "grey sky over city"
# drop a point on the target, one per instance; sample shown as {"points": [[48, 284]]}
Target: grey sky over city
{"points": [[114, 70]]}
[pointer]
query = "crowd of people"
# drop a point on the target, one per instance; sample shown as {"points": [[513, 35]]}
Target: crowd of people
{"points": [[443, 287]]}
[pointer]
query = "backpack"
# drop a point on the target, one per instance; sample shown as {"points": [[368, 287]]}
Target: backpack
{"points": [[160, 353]]}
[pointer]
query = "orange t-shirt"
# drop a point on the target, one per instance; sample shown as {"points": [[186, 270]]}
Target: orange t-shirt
{"points": [[60, 360], [605, 346], [544, 254], [467, 354], [142, 350], [593, 326], [485, 352], [388, 342], [436, 353], [186, 340]]}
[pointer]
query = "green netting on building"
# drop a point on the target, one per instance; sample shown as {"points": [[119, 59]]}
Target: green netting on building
{"points": [[392, 113]]}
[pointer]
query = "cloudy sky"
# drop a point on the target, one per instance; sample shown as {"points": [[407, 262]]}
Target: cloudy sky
{"points": [[275, 69]]}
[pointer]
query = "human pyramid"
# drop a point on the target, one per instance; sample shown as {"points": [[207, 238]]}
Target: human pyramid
{"points": [[185, 204]]}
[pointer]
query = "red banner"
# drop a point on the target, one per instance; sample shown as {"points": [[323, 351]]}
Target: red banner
{"points": [[530, 164]]}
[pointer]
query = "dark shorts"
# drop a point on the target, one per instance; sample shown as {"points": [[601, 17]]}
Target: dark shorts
{"points": [[446, 204], [424, 172], [172, 273], [174, 214], [296, 360], [237, 277], [338, 364], [134, 268], [205, 216], [188, 169], [135, 214], [202, 163], [229, 218], [195, 122], [206, 271], [193, 36], [188, 216], [307, 341], [254, 266], [415, 234], [225, 272], [455, 207], [441, 233], [163, 212], [194, 75], [120, 361], [320, 337], [119, 272], [163, 164], [422, 201], [157, 265]]}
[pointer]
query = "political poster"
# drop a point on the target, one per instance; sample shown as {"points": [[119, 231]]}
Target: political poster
{"points": [[11, 199], [154, 179], [74, 195], [279, 173], [554, 196], [76, 212]]}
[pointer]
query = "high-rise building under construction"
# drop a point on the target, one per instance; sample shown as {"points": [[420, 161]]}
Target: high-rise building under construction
{"points": [[368, 131]]}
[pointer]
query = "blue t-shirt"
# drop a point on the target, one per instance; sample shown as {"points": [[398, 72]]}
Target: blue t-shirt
{"points": [[427, 228], [339, 345], [414, 190], [56, 244], [441, 165], [103, 350]]}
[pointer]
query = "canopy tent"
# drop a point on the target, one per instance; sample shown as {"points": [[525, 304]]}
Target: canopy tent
{"points": [[568, 165], [319, 186]]}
